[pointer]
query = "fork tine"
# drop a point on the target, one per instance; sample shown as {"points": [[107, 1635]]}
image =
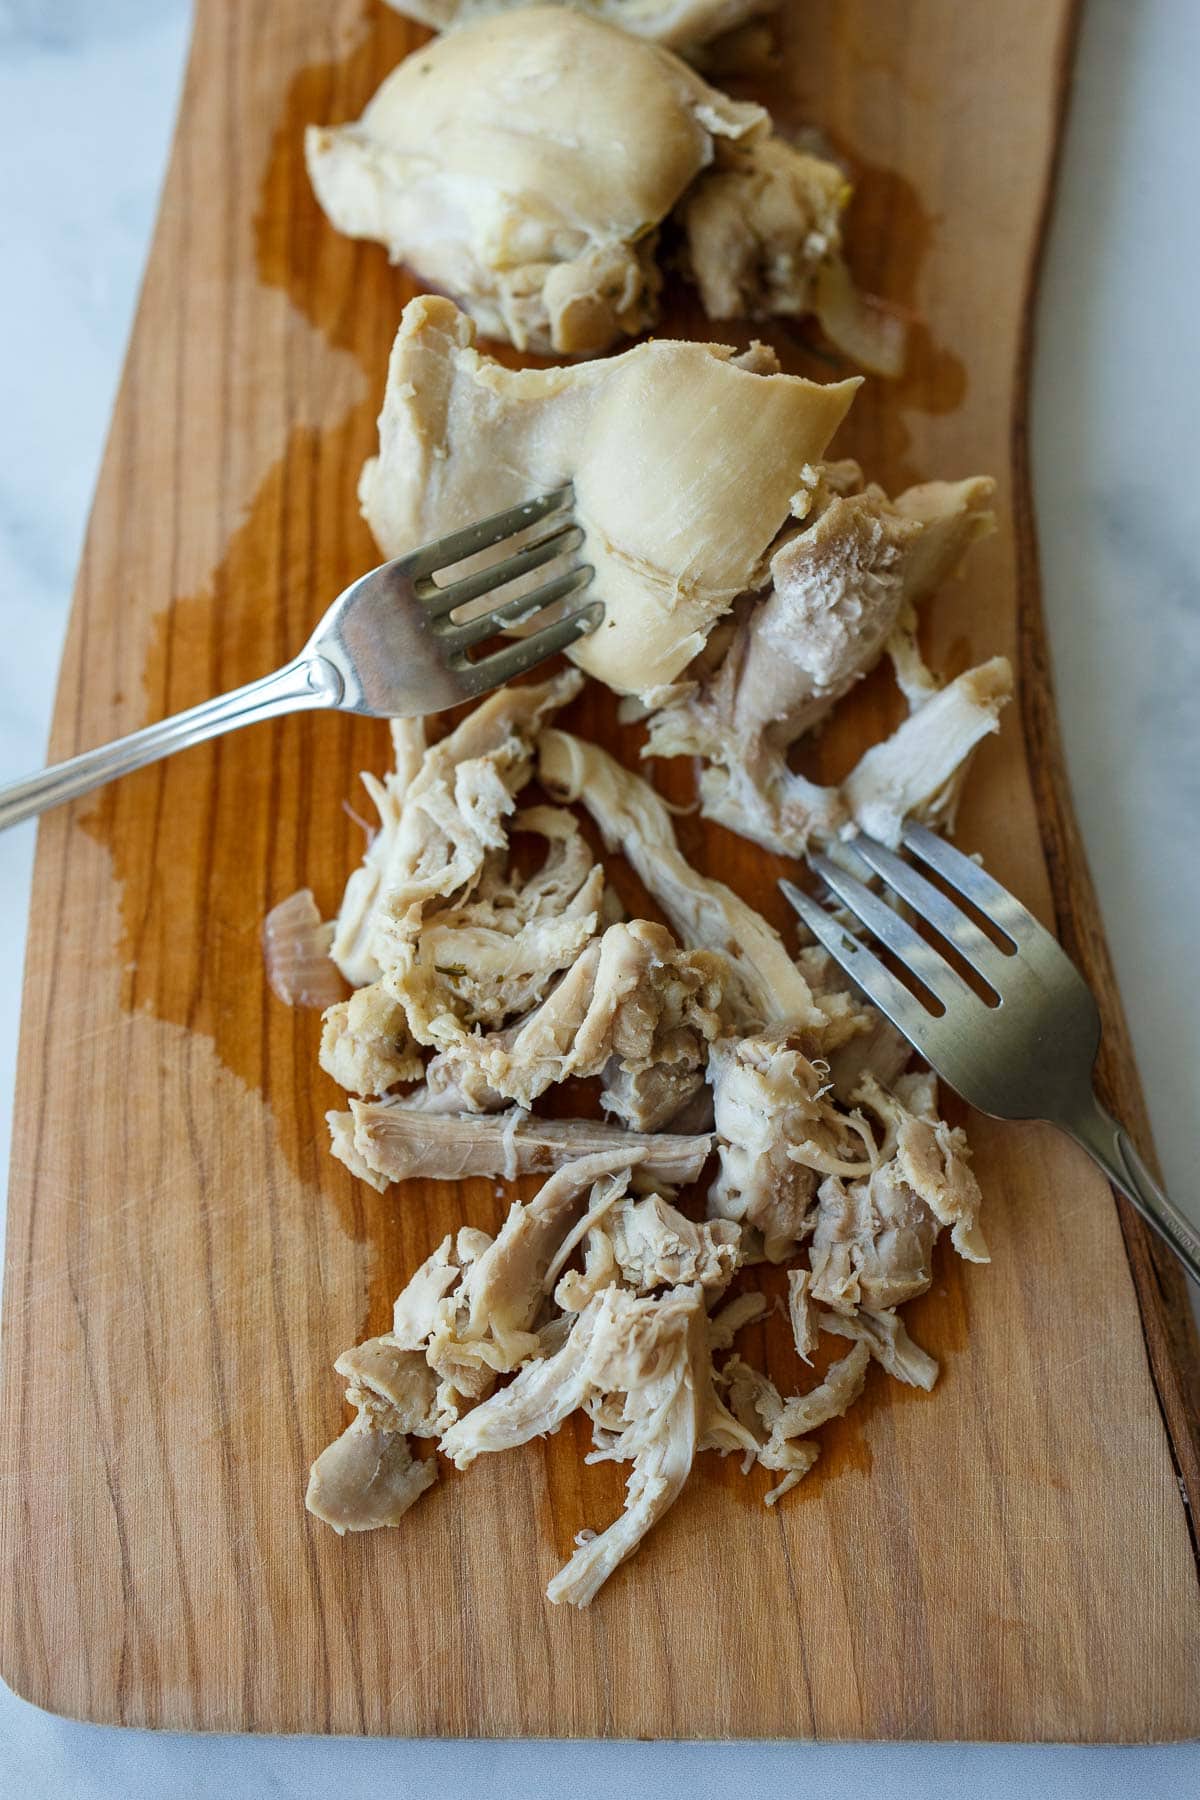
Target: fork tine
{"points": [[878, 983], [526, 653], [460, 544], [933, 906], [440, 601], [1002, 908], [918, 956], [512, 612]]}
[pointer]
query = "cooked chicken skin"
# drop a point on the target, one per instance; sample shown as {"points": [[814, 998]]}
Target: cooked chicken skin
{"points": [[656, 441]]}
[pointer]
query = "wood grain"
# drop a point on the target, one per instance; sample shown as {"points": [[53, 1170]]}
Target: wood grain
{"points": [[1008, 1557]]}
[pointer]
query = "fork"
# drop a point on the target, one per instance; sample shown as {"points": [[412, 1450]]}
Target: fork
{"points": [[389, 647], [1029, 1051]]}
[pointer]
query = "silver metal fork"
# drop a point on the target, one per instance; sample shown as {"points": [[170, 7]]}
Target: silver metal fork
{"points": [[1026, 1052], [389, 646]]}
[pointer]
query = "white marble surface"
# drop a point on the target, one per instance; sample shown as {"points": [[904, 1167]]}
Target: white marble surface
{"points": [[87, 92]]}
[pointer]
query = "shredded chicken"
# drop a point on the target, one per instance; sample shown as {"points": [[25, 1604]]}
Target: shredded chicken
{"points": [[650, 1355], [780, 1426], [888, 1342], [919, 771], [526, 162], [656, 442], [933, 1157], [366, 1045], [296, 952], [776, 1130], [444, 821], [633, 998], [355, 923], [495, 955], [703, 912], [872, 1242], [654, 1245], [843, 588], [399, 1143], [369, 1477], [679, 24]]}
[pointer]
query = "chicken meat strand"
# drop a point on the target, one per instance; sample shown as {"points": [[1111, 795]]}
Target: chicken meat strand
{"points": [[394, 1142], [525, 162], [651, 1355], [656, 441], [353, 928]]}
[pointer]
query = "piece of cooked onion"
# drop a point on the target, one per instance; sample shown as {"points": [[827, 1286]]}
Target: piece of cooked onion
{"points": [[296, 951]]}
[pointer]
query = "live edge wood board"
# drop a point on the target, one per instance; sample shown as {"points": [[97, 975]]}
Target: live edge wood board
{"points": [[1008, 1557]]}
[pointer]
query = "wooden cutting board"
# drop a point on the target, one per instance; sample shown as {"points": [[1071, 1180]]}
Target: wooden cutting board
{"points": [[1008, 1557]]}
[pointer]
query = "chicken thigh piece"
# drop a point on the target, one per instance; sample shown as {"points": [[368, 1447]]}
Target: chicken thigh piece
{"points": [[525, 163]]}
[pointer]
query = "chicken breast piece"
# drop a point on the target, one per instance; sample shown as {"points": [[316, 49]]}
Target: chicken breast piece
{"points": [[681, 25], [657, 442], [398, 1143]]}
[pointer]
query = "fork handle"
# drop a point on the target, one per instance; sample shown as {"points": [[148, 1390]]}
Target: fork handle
{"points": [[1106, 1140], [308, 682]]}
